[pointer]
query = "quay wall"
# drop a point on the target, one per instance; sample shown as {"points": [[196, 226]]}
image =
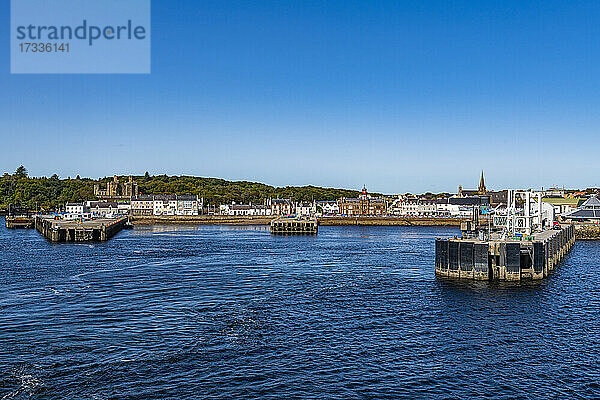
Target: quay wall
{"points": [[200, 220], [323, 221], [390, 221]]}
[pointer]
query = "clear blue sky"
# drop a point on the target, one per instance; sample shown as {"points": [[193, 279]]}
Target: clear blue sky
{"points": [[398, 95]]}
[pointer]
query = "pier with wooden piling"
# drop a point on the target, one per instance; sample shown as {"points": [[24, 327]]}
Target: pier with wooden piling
{"points": [[97, 230], [504, 259], [294, 226]]}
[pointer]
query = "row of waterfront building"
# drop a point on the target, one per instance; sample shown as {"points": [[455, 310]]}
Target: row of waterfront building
{"points": [[145, 205], [363, 205]]}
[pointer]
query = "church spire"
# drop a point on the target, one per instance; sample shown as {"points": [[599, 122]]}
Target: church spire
{"points": [[482, 188]]}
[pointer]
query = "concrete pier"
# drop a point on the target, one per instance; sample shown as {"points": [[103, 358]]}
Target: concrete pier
{"points": [[533, 257], [294, 226], [98, 230]]}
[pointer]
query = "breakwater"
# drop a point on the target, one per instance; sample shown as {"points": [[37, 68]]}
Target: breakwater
{"points": [[503, 259], [98, 230]]}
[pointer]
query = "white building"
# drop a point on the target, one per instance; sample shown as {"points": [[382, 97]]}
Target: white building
{"points": [[554, 192], [188, 205], [106, 209], [448, 208], [548, 214], [328, 208], [405, 208], [142, 205], [123, 208], [427, 208], [75, 211], [103, 208], [306, 208], [75, 208], [166, 205], [245, 209]]}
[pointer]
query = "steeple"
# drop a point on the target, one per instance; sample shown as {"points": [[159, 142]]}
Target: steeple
{"points": [[482, 189]]}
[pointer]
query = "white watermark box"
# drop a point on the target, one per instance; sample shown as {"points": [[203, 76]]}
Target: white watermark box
{"points": [[80, 37]]}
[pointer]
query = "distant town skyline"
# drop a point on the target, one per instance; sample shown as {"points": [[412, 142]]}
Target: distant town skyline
{"points": [[400, 96]]}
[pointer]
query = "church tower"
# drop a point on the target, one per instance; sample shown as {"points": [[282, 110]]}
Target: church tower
{"points": [[482, 188]]}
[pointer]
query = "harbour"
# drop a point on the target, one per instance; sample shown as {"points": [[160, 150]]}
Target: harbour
{"points": [[312, 200]]}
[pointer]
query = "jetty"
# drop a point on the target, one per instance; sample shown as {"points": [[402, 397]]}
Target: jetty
{"points": [[18, 218], [294, 226], [19, 222], [520, 245], [95, 230], [510, 259]]}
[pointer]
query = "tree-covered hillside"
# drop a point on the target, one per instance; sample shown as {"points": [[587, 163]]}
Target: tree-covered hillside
{"points": [[20, 189]]}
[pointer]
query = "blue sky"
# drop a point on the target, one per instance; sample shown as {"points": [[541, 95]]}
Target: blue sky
{"points": [[398, 95]]}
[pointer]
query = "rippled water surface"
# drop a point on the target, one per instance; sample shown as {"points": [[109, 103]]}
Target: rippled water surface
{"points": [[235, 313]]}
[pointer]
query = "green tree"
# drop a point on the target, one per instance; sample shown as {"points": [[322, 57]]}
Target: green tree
{"points": [[21, 172]]}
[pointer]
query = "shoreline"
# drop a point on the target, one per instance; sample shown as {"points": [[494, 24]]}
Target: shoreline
{"points": [[199, 220], [323, 221], [390, 221], [587, 232]]}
